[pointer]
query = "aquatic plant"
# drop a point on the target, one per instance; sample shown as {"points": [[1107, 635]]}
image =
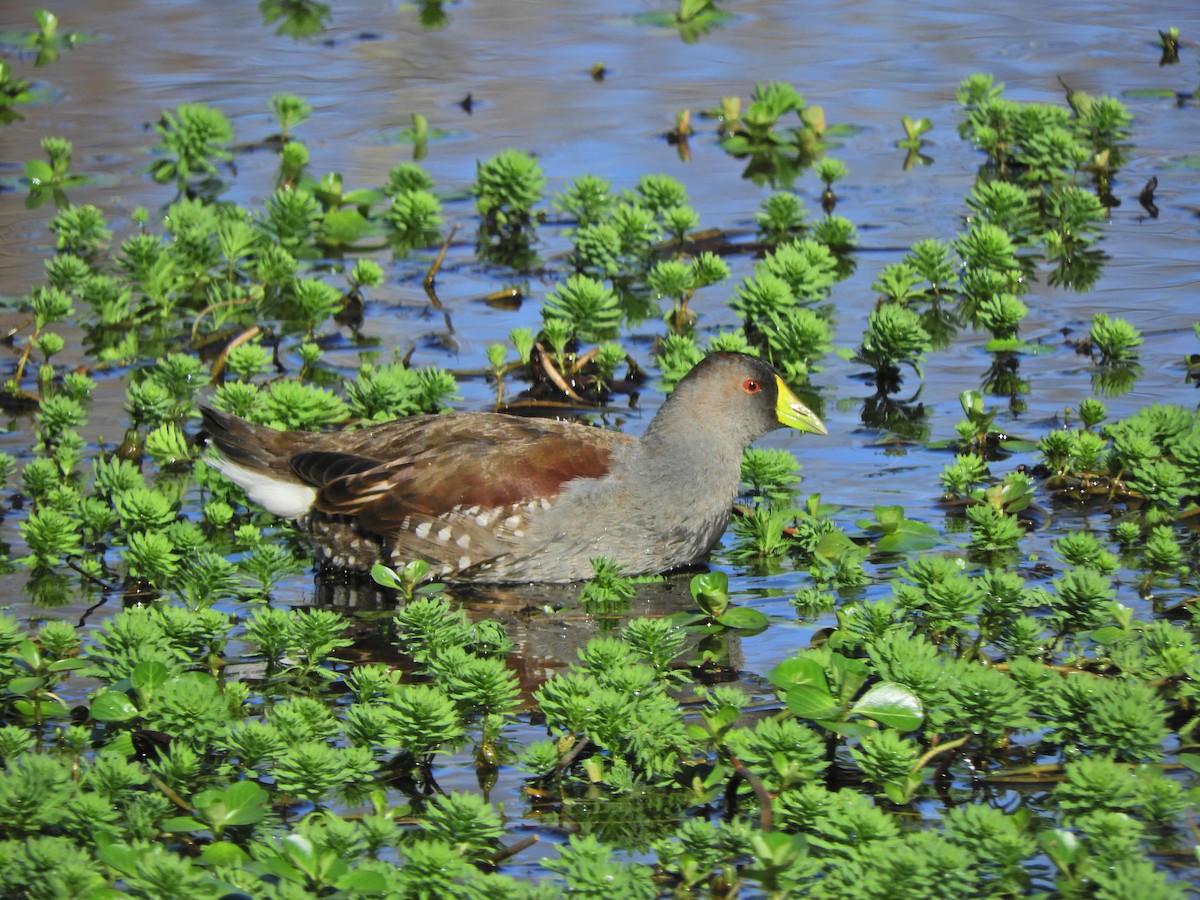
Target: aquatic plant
{"points": [[226, 741]]}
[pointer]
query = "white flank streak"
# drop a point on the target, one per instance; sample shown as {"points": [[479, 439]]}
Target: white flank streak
{"points": [[286, 499]]}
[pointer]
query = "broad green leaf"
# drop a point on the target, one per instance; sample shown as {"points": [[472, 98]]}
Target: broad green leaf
{"points": [[182, 824], [38, 171], [29, 654], [1109, 634], [1190, 761], [1016, 445], [112, 706], [909, 537], [66, 665], [121, 857], [362, 198], [736, 145], [686, 619], [362, 882], [891, 704], [807, 701], [386, 576], [223, 853], [122, 745], [26, 685], [147, 677], [777, 849], [279, 867], [798, 670], [1016, 345], [889, 518], [245, 803], [711, 592], [744, 619], [722, 718], [850, 674], [858, 730], [834, 544]]}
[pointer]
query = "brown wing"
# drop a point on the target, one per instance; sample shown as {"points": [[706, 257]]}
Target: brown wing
{"points": [[473, 461]]}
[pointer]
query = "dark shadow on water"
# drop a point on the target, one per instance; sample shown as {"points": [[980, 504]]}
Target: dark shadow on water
{"points": [[547, 623]]}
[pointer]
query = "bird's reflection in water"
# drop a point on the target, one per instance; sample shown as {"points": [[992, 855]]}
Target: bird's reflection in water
{"points": [[546, 623]]}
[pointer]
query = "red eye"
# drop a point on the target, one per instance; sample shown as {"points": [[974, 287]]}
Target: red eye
{"points": [[750, 386]]}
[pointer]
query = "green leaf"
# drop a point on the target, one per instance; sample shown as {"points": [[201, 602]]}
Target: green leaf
{"points": [[67, 665], [720, 720], [711, 592], [38, 171], [851, 675], [859, 730], [362, 198], [744, 619], [888, 518], [914, 128], [799, 670], [147, 677], [1109, 634], [808, 701], [891, 704], [26, 685], [122, 745], [242, 803], [27, 651], [121, 857], [182, 824], [1015, 345], [112, 706], [345, 226], [685, 619], [280, 868], [834, 544], [910, 537], [223, 853], [736, 145], [1016, 445], [363, 881], [1190, 761], [386, 576]]}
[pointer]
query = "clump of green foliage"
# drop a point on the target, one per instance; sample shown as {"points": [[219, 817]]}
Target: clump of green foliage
{"points": [[225, 742]]}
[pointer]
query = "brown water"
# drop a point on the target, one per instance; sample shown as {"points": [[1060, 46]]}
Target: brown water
{"points": [[526, 66]]}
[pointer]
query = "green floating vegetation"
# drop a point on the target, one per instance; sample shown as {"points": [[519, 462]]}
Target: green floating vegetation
{"points": [[225, 744], [693, 18]]}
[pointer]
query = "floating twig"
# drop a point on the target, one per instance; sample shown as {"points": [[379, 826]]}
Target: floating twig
{"points": [[436, 267], [218, 368]]}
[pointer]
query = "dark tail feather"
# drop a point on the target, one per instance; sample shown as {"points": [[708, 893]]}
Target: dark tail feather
{"points": [[242, 442]]}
